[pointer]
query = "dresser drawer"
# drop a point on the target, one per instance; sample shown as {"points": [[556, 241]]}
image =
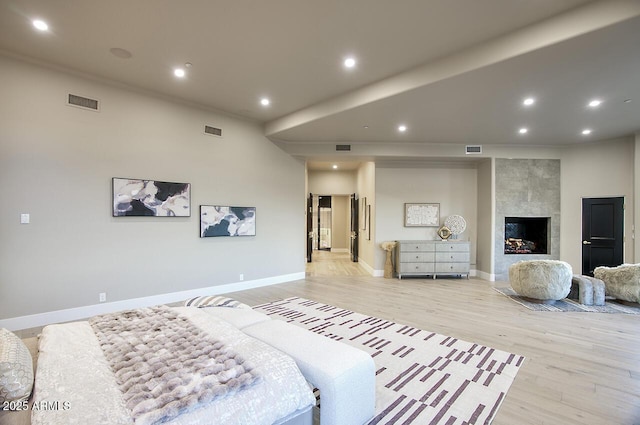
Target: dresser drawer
{"points": [[417, 247], [417, 257], [452, 268], [452, 257], [416, 267], [452, 247]]}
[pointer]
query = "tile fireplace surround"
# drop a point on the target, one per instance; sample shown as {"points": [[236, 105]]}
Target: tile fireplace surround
{"points": [[526, 188]]}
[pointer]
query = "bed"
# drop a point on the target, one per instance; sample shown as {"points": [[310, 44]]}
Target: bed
{"points": [[76, 384]]}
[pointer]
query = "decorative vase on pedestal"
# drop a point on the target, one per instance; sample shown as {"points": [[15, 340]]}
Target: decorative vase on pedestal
{"points": [[388, 266]]}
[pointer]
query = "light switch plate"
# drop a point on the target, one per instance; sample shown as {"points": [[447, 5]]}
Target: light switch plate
{"points": [[24, 218]]}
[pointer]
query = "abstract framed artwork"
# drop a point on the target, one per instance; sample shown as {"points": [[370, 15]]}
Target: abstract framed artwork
{"points": [[152, 198], [216, 220], [421, 215]]}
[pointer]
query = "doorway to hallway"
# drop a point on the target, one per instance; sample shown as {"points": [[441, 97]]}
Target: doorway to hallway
{"points": [[332, 237]]}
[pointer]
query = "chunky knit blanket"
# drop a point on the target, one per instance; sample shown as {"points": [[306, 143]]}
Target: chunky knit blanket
{"points": [[165, 365]]}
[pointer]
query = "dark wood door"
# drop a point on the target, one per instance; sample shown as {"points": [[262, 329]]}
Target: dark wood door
{"points": [[602, 233], [309, 227], [354, 228]]}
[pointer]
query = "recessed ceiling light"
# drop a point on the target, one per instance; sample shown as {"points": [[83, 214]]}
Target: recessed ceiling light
{"points": [[523, 130], [179, 72], [627, 101], [40, 25], [402, 128], [365, 127], [528, 101], [265, 101], [349, 62], [335, 167], [594, 103], [586, 131]]}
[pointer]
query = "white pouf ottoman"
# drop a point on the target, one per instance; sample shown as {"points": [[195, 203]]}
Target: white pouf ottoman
{"points": [[587, 290], [344, 374], [542, 281], [621, 282]]}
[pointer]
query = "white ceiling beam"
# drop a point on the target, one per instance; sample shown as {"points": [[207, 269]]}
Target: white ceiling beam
{"points": [[592, 17]]}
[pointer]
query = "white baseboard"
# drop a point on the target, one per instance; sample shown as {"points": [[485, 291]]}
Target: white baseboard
{"points": [[79, 313], [484, 276], [373, 272]]}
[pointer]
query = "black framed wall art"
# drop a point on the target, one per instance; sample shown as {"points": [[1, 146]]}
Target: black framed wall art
{"points": [[136, 197], [217, 220]]}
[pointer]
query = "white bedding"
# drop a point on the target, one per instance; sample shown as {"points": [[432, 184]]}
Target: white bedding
{"points": [[75, 385]]}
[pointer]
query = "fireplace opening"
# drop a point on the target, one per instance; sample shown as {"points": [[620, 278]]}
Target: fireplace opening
{"points": [[526, 235]]}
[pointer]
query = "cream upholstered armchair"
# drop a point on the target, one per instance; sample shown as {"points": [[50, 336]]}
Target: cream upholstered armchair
{"points": [[621, 282]]}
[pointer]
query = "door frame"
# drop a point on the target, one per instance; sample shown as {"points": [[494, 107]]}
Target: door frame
{"points": [[354, 238], [618, 233]]}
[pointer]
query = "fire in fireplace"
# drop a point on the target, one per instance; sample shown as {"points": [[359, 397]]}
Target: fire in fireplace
{"points": [[526, 235]]}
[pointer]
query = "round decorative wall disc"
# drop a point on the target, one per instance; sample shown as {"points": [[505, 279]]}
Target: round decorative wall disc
{"points": [[456, 224]]}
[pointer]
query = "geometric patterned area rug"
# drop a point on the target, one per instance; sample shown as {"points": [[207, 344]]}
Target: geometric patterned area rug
{"points": [[570, 304], [421, 377]]}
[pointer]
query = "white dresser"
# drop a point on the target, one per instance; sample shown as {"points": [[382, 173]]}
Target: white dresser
{"points": [[432, 258]]}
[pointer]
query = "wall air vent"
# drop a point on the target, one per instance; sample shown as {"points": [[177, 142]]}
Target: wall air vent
{"points": [[83, 102], [213, 131], [343, 148], [473, 149]]}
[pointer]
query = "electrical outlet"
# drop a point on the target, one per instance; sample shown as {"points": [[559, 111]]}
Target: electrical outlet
{"points": [[103, 297], [241, 277]]}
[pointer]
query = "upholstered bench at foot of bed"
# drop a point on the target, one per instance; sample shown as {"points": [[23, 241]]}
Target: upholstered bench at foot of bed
{"points": [[344, 375], [587, 290], [238, 317]]}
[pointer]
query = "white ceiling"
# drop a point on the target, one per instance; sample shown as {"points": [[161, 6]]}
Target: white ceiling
{"points": [[453, 71]]}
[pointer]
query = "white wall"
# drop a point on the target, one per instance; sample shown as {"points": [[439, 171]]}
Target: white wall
{"points": [[366, 183], [340, 224], [486, 220], [604, 169], [332, 182], [636, 198], [56, 163], [454, 187]]}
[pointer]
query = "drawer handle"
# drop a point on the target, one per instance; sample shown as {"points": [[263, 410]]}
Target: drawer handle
{"points": [[417, 267], [417, 257], [417, 247]]}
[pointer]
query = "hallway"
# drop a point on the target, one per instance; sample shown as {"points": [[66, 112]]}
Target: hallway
{"points": [[326, 263]]}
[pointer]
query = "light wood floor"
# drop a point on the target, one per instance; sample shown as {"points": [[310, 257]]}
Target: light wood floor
{"points": [[581, 368], [326, 263]]}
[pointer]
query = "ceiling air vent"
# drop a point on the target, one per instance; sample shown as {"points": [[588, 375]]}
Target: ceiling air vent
{"points": [[83, 102], [473, 149], [343, 148], [213, 131]]}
